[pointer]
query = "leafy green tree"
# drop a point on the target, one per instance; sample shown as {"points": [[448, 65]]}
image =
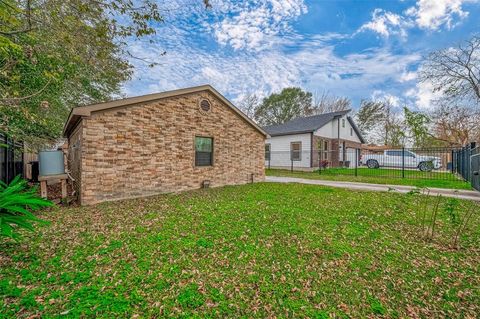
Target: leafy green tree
{"points": [[57, 54], [417, 125], [281, 107]]}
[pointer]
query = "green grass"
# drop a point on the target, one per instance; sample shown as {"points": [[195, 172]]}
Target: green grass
{"points": [[380, 176], [259, 250]]}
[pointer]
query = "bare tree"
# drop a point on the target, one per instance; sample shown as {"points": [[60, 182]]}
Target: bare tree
{"points": [[326, 103], [380, 123], [455, 71], [369, 115], [249, 104], [456, 125]]}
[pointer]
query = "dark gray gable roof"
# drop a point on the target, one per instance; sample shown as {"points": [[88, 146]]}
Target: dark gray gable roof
{"points": [[303, 124]]}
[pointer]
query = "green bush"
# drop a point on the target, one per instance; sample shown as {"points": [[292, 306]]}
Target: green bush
{"points": [[17, 202]]}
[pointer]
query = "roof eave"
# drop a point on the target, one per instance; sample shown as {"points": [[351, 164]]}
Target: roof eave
{"points": [[291, 133], [342, 113]]}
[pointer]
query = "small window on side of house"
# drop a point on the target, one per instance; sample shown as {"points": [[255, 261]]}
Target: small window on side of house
{"points": [[325, 147], [351, 131], [203, 151], [296, 151], [267, 152], [343, 122]]}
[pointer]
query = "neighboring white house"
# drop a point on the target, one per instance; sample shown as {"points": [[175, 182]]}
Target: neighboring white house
{"points": [[308, 142]]}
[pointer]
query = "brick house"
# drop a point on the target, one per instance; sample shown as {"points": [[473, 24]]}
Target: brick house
{"points": [[158, 143], [305, 142]]}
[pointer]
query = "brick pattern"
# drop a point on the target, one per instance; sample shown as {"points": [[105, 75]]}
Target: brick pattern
{"points": [[333, 146], [74, 157], [148, 149]]}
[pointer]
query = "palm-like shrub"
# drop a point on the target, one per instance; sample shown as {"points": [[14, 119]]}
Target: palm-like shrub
{"points": [[17, 202]]}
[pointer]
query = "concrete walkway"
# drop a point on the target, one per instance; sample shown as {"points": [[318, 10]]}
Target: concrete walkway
{"points": [[457, 193]]}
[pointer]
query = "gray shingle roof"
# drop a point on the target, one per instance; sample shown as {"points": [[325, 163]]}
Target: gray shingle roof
{"points": [[308, 124], [302, 124]]}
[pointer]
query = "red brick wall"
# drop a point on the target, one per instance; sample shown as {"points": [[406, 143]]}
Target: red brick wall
{"points": [[333, 150]]}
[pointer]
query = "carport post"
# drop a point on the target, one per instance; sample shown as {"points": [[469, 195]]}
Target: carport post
{"points": [[403, 162]]}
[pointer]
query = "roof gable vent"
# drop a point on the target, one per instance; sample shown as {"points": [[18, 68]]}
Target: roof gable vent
{"points": [[205, 105]]}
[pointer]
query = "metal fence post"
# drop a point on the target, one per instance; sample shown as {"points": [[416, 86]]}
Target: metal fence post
{"points": [[356, 162], [453, 163], [291, 165], [403, 162], [319, 163], [3, 160], [469, 163]]}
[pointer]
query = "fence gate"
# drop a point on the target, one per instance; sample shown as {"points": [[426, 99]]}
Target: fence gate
{"points": [[475, 168]]}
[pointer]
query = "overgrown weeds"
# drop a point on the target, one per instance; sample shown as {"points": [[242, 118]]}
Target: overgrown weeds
{"points": [[458, 217]]}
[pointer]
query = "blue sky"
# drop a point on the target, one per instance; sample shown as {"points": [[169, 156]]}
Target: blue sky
{"points": [[358, 49]]}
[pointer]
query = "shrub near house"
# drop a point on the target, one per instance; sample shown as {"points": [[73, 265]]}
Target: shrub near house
{"points": [[17, 202]]}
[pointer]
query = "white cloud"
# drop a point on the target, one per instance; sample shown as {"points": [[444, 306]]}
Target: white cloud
{"points": [[386, 23], [255, 27], [255, 65], [423, 95], [380, 95], [408, 76], [316, 68], [426, 14], [234, 75], [431, 14]]}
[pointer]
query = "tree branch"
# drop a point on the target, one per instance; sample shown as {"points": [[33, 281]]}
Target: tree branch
{"points": [[9, 33], [18, 99]]}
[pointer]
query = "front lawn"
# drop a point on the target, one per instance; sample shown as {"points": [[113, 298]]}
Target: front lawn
{"points": [[380, 176], [259, 250]]}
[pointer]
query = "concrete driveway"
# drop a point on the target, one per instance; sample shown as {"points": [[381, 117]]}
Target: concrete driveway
{"points": [[456, 193]]}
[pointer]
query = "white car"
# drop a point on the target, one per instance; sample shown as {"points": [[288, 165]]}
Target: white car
{"points": [[394, 158]]}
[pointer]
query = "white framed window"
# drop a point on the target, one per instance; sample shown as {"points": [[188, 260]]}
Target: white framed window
{"points": [[203, 151], [296, 151]]}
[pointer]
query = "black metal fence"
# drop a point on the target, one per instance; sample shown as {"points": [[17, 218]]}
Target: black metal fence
{"points": [[467, 161], [475, 168], [416, 163], [11, 159]]}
